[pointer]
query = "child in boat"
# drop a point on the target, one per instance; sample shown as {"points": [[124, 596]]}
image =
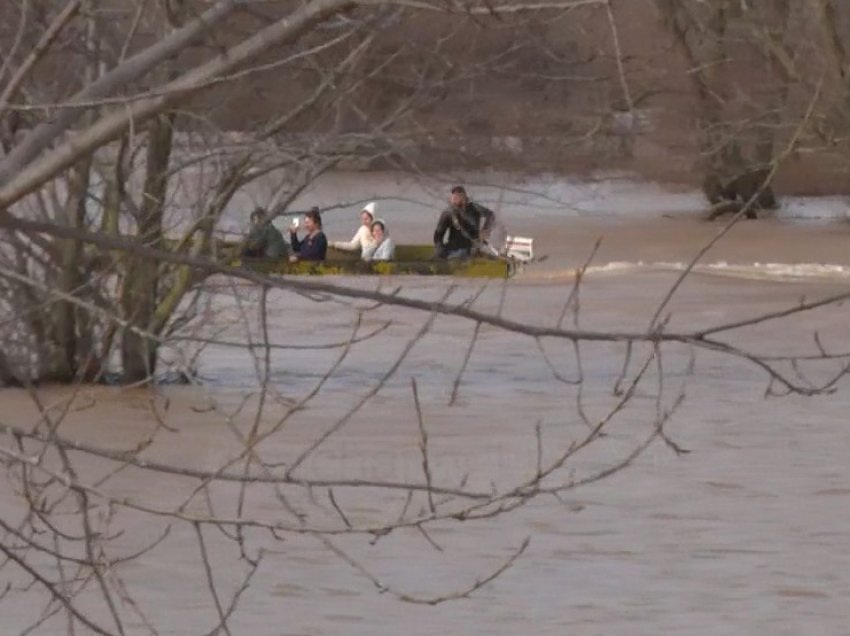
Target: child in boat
{"points": [[362, 240], [312, 247], [383, 248]]}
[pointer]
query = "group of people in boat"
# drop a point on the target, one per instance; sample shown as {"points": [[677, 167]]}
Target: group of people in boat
{"points": [[371, 239], [459, 231]]}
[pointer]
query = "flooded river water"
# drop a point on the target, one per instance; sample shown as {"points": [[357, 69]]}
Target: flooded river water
{"points": [[746, 533]]}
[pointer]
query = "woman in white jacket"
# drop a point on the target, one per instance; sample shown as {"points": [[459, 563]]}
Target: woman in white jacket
{"points": [[363, 238], [383, 248]]}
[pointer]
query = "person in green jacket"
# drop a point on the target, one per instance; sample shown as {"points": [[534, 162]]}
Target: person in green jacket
{"points": [[264, 240]]}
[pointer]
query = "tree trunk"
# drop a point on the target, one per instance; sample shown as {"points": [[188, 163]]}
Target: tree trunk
{"points": [[701, 40], [63, 366], [139, 297], [7, 373], [114, 193], [702, 33]]}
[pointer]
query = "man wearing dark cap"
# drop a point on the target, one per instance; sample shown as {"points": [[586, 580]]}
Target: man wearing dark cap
{"points": [[462, 221]]}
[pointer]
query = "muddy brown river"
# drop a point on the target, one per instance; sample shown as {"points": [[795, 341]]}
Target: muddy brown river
{"points": [[745, 533]]}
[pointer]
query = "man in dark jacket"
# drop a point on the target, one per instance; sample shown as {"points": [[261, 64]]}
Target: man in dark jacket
{"points": [[264, 240], [462, 221]]}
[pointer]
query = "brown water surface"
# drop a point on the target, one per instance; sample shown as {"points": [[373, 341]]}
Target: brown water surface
{"points": [[746, 534]]}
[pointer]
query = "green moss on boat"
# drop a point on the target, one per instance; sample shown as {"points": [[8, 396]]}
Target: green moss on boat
{"points": [[410, 260]]}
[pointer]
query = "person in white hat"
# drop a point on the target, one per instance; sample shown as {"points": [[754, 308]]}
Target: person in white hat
{"points": [[362, 240]]}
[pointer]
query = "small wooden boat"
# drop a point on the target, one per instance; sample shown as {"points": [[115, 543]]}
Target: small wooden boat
{"points": [[415, 260]]}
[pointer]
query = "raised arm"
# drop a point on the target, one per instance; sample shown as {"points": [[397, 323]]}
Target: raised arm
{"points": [[354, 244]]}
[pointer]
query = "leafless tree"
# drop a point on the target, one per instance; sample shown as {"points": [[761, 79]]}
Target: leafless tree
{"points": [[103, 144], [753, 68], [144, 267]]}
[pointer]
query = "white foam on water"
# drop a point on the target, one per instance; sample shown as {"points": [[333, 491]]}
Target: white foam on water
{"points": [[781, 270], [832, 208], [755, 271]]}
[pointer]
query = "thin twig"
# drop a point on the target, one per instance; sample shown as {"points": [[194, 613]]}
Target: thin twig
{"points": [[423, 444]]}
